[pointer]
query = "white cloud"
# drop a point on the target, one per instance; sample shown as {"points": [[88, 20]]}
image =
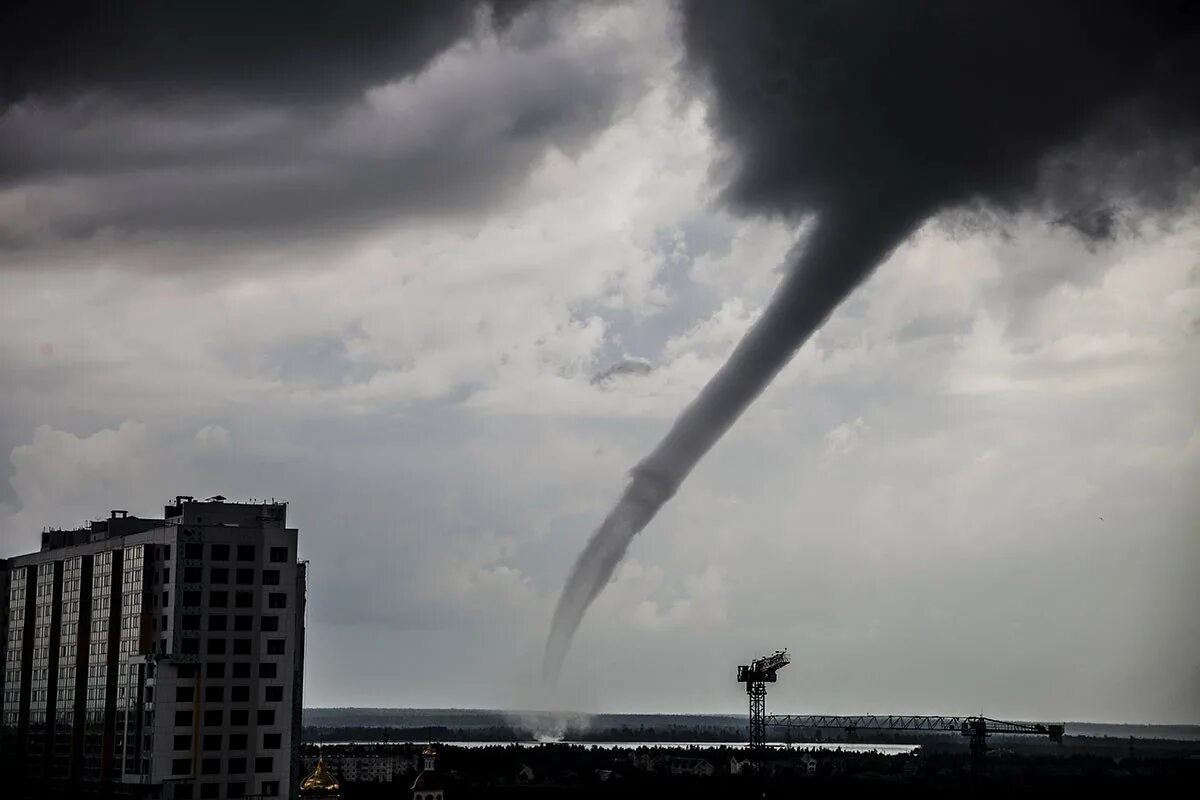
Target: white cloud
{"points": [[213, 437], [62, 480], [845, 437]]}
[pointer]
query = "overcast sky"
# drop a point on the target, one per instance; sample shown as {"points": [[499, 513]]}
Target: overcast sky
{"points": [[442, 304]]}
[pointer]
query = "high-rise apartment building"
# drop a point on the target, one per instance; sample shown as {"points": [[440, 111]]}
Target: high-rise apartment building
{"points": [[158, 658]]}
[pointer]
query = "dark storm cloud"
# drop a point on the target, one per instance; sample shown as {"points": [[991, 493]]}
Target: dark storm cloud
{"points": [[1099, 224], [912, 107], [875, 116], [310, 172], [315, 134], [274, 50]]}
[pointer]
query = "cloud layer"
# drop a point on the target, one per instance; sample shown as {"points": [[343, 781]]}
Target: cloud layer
{"points": [[419, 385]]}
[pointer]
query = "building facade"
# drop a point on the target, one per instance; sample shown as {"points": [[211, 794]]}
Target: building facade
{"points": [[158, 658], [363, 763]]}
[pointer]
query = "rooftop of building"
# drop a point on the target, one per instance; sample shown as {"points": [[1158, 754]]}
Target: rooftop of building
{"points": [[217, 510], [185, 510]]}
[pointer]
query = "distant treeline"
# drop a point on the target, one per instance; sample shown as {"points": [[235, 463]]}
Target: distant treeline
{"points": [[657, 733], [532, 720], [508, 733], [427, 733]]}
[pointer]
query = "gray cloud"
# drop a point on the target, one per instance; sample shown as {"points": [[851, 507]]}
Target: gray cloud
{"points": [[625, 366], [927, 327]]}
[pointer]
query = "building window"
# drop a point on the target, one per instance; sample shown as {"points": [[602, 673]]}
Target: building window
{"points": [[217, 622], [239, 717], [183, 742], [186, 671], [264, 764], [237, 766], [212, 741], [183, 791], [276, 647], [245, 577], [210, 766], [210, 791], [241, 669], [241, 647], [279, 555], [243, 622], [277, 600], [270, 577], [219, 575], [181, 766], [218, 599], [193, 551], [245, 552], [267, 669], [270, 624], [245, 599], [191, 622], [214, 669], [266, 716], [166, 598], [272, 741], [237, 789], [183, 718], [183, 694], [166, 552], [166, 574], [270, 788], [216, 647], [214, 694], [274, 694], [191, 599], [214, 717], [193, 574], [240, 694], [238, 741], [220, 552]]}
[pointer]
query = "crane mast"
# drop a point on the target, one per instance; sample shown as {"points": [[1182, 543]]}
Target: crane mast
{"points": [[756, 675]]}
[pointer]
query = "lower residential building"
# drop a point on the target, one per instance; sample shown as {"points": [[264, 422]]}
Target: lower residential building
{"points": [[156, 658], [363, 763]]}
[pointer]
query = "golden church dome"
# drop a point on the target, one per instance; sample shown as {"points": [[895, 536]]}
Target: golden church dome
{"points": [[320, 779]]}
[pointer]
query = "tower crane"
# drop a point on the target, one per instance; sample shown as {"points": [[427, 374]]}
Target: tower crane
{"points": [[756, 675], [761, 671]]}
